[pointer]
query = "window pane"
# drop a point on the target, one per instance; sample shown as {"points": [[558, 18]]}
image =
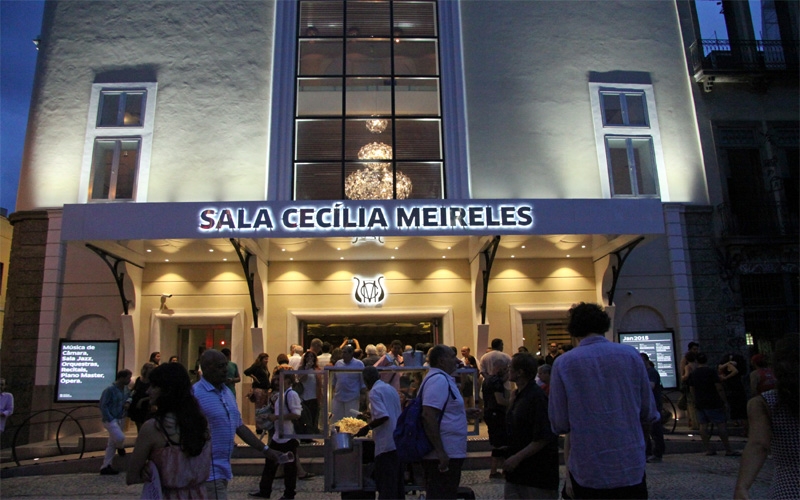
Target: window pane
{"points": [[367, 19], [415, 57], [418, 140], [368, 57], [126, 173], [415, 19], [320, 181], [320, 57], [321, 18], [369, 97], [319, 140], [319, 97], [417, 97], [426, 179], [357, 135], [133, 109], [636, 109], [612, 109], [618, 163], [109, 110], [102, 165], [645, 166]]}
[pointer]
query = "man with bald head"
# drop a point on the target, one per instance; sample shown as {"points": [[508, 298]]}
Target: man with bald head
{"points": [[224, 421], [347, 387]]}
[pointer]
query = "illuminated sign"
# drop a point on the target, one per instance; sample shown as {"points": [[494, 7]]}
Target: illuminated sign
{"points": [[369, 291], [348, 218], [378, 240], [660, 348], [362, 218]]}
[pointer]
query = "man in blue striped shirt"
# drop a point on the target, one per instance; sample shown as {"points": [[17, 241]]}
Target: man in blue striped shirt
{"points": [[224, 421]]}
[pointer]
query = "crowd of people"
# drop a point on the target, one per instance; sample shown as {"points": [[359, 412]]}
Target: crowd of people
{"points": [[603, 397]]}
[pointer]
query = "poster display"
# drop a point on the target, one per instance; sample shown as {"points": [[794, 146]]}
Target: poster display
{"points": [[85, 369], [660, 347]]}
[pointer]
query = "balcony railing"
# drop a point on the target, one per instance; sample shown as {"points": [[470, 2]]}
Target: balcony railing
{"points": [[773, 219], [744, 55]]}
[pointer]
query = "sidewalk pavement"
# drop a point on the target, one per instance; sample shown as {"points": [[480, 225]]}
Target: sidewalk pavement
{"points": [[678, 477]]}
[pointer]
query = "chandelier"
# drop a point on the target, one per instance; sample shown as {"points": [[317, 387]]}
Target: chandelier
{"points": [[376, 181]]}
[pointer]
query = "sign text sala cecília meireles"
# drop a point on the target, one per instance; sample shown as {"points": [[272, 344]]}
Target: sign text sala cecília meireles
{"points": [[340, 217]]}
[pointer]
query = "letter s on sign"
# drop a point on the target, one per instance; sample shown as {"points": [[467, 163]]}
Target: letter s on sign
{"points": [[207, 217]]}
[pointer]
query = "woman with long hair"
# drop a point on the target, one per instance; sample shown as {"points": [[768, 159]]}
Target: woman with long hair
{"points": [[258, 372], [312, 388], [775, 427], [174, 446], [139, 410]]}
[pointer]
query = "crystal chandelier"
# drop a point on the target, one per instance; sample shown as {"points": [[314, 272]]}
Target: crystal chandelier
{"points": [[375, 181]]}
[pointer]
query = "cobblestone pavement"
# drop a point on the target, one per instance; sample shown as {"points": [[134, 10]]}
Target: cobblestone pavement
{"points": [[678, 477]]}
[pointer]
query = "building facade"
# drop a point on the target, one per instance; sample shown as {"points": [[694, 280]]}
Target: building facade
{"points": [[255, 174]]}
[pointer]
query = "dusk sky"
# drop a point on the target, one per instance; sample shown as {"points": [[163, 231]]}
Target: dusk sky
{"points": [[20, 23]]}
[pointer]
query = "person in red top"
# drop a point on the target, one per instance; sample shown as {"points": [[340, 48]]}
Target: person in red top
{"points": [[762, 378]]}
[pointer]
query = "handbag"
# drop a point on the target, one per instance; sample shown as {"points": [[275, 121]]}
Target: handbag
{"points": [[683, 403]]}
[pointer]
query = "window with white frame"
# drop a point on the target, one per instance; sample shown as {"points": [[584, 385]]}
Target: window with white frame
{"points": [[628, 140], [119, 136]]}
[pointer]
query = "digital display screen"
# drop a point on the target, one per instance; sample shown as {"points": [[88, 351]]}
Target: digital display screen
{"points": [[660, 347], [85, 369]]}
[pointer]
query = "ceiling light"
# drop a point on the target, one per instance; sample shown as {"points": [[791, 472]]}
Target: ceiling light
{"points": [[523, 246], [148, 250], [567, 255], [166, 260], [211, 250], [377, 125], [512, 256], [392, 256], [341, 258], [283, 249], [291, 258], [224, 260], [583, 246], [449, 248]]}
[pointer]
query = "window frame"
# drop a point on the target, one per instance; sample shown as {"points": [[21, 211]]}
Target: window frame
{"points": [[95, 132], [603, 132]]}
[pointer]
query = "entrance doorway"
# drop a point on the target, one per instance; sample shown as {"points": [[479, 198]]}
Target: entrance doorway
{"points": [[193, 339], [408, 332], [538, 333]]}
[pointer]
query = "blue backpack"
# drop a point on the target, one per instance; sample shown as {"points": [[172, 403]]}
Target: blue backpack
{"points": [[409, 435]]}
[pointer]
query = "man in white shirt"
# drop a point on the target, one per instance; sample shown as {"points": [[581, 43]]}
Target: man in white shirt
{"points": [[296, 359], [384, 406], [347, 387], [494, 359]]}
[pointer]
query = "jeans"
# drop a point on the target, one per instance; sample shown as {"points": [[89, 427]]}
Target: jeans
{"points": [[442, 485], [116, 439], [289, 470]]}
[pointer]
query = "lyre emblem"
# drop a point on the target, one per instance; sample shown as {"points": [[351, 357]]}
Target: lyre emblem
{"points": [[369, 291]]}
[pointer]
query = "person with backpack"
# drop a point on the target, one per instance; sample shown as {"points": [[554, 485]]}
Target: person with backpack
{"points": [[444, 419], [384, 407]]}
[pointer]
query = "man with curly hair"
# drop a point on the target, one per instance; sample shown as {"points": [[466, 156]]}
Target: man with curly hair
{"points": [[599, 397]]}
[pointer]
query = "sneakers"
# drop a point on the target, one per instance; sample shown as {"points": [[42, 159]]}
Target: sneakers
{"points": [[121, 452], [108, 471], [652, 459]]}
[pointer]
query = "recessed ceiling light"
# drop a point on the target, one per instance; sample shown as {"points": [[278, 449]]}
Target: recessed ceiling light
{"points": [[291, 258], [341, 258], [449, 248], [397, 248], [583, 246], [392, 256], [512, 256], [148, 250], [224, 260], [523, 246], [211, 250], [444, 256], [337, 248], [567, 255], [166, 260]]}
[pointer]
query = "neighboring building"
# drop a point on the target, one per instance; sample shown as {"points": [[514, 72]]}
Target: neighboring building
{"points": [[746, 280], [194, 174], [5, 256]]}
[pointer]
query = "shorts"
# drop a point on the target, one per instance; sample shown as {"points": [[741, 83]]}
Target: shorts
{"points": [[713, 416]]}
